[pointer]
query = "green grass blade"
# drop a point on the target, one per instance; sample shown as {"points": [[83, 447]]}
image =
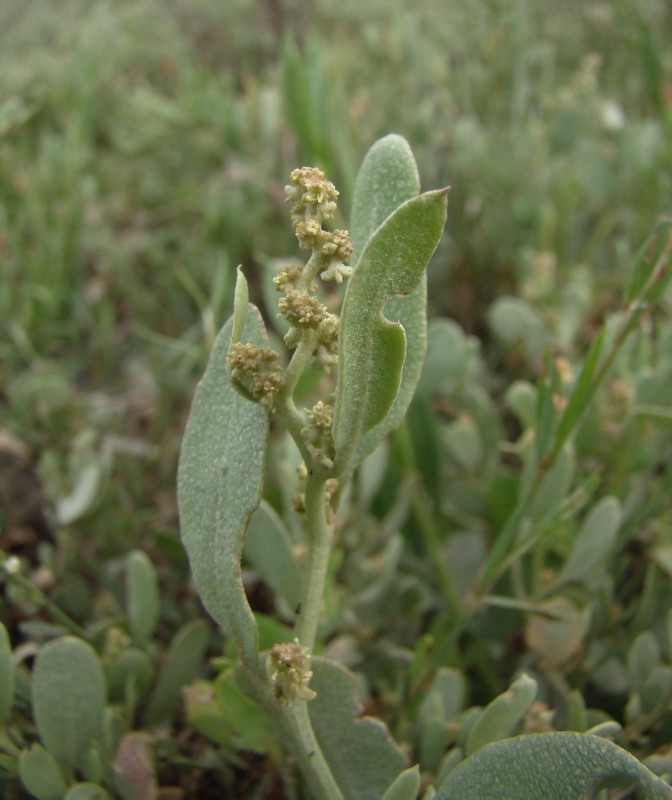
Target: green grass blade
{"points": [[583, 392]]}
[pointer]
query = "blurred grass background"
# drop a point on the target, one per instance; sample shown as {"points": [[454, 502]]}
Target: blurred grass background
{"points": [[144, 146]]}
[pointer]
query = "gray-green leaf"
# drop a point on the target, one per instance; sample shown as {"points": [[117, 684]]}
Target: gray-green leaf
{"points": [[268, 548], [182, 664], [405, 786], [359, 751], [372, 349], [593, 546], [499, 718], [41, 774], [68, 698], [553, 766], [142, 597], [219, 482], [387, 178]]}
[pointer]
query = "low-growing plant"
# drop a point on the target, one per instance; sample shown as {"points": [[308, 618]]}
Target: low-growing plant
{"points": [[377, 346], [418, 555], [77, 725]]}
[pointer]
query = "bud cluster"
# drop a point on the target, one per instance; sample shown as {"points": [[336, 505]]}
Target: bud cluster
{"points": [[288, 670], [317, 433], [256, 371], [314, 202], [312, 195]]}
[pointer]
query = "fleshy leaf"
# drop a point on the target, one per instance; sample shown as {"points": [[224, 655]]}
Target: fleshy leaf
{"points": [[405, 786], [219, 483], [87, 791], [555, 766], [372, 349], [224, 713], [388, 178], [68, 698], [182, 664], [41, 774], [142, 597], [594, 544], [359, 751], [268, 548], [498, 718], [241, 305]]}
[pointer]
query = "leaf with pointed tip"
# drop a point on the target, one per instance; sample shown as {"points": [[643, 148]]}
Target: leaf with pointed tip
{"points": [[219, 485], [372, 349], [555, 766], [405, 786], [594, 543], [387, 178], [499, 717], [268, 548], [182, 664]]}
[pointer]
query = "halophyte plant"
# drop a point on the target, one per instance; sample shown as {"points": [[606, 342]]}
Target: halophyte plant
{"points": [[372, 353]]}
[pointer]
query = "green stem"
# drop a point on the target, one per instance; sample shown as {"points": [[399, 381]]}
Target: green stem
{"points": [[286, 406], [299, 738], [313, 266], [308, 753], [320, 537]]}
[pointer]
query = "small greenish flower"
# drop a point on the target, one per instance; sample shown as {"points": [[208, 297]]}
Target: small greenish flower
{"points": [[285, 280], [256, 372], [302, 310], [326, 352], [288, 670], [312, 195], [337, 244], [317, 433]]}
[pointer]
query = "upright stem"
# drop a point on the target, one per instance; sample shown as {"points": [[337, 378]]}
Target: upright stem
{"points": [[320, 537], [308, 753]]}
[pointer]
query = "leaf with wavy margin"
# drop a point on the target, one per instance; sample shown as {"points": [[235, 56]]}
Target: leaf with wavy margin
{"points": [[219, 484]]}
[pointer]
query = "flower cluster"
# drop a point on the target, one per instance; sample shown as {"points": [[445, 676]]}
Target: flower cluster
{"points": [[314, 202], [312, 195], [317, 433], [256, 371], [285, 280], [288, 670], [304, 311]]}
